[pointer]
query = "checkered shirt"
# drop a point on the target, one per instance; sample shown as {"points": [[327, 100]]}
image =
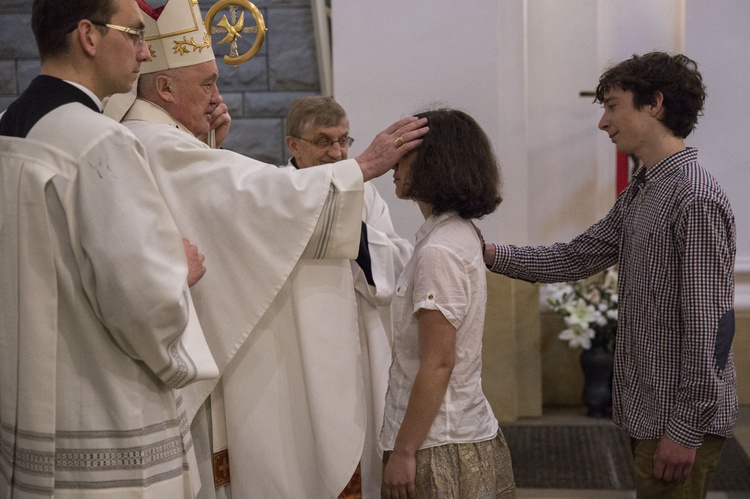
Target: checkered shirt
{"points": [[672, 234]]}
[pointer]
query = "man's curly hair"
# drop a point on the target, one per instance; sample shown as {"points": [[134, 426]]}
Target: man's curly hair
{"points": [[675, 76]]}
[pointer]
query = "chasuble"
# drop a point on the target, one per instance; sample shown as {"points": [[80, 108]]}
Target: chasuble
{"points": [[282, 328]]}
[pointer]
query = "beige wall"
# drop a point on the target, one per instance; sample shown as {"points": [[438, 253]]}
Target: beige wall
{"points": [[562, 378], [511, 364]]}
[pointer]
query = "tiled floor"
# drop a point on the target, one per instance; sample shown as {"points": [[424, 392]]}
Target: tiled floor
{"points": [[568, 416]]}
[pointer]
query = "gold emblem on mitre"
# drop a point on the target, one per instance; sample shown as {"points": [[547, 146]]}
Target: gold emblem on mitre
{"points": [[175, 35]]}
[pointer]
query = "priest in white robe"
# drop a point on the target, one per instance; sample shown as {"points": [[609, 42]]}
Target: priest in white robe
{"points": [[96, 326], [294, 417], [318, 134]]}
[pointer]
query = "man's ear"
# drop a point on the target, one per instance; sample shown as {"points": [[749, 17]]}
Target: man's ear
{"points": [[88, 37], [292, 145], [165, 87], [657, 104]]}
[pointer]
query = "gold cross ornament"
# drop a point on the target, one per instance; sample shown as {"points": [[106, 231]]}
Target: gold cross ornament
{"points": [[234, 26]]}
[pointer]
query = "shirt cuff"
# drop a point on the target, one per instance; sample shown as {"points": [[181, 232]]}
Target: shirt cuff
{"points": [[502, 259], [684, 435]]}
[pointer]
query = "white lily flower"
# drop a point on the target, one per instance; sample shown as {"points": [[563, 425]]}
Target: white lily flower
{"points": [[559, 291], [601, 320], [579, 313], [577, 337], [588, 307]]}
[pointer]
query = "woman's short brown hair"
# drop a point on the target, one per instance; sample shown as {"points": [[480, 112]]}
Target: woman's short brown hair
{"points": [[455, 168]]}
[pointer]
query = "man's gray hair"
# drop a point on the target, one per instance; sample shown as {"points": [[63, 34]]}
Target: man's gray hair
{"points": [[315, 110]]}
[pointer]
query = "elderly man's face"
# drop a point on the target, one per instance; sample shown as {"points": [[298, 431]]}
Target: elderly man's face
{"points": [[195, 96], [320, 145]]}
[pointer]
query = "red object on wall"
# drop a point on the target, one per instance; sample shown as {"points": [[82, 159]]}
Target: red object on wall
{"points": [[623, 176]]}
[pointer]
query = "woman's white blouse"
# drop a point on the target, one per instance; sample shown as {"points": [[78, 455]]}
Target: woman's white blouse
{"points": [[446, 273]]}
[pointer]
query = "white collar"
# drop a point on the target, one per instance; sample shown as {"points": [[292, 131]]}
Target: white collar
{"points": [[431, 222], [144, 110], [88, 92]]}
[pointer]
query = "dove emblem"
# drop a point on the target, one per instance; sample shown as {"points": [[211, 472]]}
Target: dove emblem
{"points": [[233, 30], [232, 27]]}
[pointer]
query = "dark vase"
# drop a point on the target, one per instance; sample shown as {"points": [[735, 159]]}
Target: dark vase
{"points": [[597, 363]]}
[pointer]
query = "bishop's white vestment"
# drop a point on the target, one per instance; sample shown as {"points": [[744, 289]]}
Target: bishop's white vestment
{"points": [[387, 253], [388, 256], [95, 323], [282, 329]]}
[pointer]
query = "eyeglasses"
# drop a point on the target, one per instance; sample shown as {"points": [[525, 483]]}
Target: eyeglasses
{"points": [[325, 142], [137, 35]]}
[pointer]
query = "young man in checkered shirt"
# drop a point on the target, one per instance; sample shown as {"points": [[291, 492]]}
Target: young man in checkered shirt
{"points": [[672, 234]]}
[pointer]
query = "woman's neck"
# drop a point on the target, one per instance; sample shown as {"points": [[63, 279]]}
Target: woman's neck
{"points": [[425, 208]]}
